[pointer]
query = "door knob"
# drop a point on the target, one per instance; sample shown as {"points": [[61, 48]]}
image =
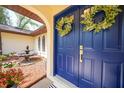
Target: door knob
{"points": [[81, 53]]}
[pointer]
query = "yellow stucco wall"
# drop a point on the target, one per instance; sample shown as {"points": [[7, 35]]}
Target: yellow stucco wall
{"points": [[46, 12], [15, 42], [49, 11]]}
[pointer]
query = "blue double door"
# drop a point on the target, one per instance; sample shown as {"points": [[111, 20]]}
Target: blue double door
{"points": [[102, 62]]}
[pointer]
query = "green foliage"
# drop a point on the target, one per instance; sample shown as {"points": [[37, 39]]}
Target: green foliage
{"points": [[9, 65], [3, 17], [23, 22], [12, 53], [64, 25], [111, 11], [3, 57]]}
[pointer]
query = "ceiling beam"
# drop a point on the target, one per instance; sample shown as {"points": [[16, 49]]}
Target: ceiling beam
{"points": [[39, 31], [25, 12], [10, 29]]}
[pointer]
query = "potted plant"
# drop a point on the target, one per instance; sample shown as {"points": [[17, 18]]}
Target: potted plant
{"points": [[11, 78]]}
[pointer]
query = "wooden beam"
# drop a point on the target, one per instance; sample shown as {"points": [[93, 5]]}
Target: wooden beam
{"points": [[24, 12], [39, 31], [10, 29]]}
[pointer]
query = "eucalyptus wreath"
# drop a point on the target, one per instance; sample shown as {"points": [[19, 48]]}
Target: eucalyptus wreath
{"points": [[111, 11], [64, 25]]}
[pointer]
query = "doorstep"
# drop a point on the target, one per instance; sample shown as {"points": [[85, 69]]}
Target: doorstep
{"points": [[60, 82]]}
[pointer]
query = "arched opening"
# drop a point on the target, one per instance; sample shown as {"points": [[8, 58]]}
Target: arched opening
{"points": [[49, 51], [49, 37], [18, 40]]}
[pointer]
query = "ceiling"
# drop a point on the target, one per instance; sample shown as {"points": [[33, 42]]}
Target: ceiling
{"points": [[27, 13]]}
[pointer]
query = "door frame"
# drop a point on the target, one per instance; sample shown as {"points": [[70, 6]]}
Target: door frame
{"points": [[55, 35]]}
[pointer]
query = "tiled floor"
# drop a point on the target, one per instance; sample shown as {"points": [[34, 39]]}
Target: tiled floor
{"points": [[44, 83]]}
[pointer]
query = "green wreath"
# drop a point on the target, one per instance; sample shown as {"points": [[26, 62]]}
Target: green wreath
{"points": [[64, 25], [111, 11]]}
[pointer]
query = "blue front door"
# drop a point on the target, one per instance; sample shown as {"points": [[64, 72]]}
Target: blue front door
{"points": [[103, 57], [103, 53], [66, 49]]}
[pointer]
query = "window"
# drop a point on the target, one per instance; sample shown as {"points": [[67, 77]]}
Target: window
{"points": [[43, 43], [39, 48], [14, 19]]}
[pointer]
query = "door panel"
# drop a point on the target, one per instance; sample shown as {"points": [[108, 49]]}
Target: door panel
{"points": [[111, 74], [113, 35], [103, 58], [70, 65], [67, 50]]}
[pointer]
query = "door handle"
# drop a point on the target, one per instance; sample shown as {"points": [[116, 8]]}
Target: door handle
{"points": [[81, 53]]}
